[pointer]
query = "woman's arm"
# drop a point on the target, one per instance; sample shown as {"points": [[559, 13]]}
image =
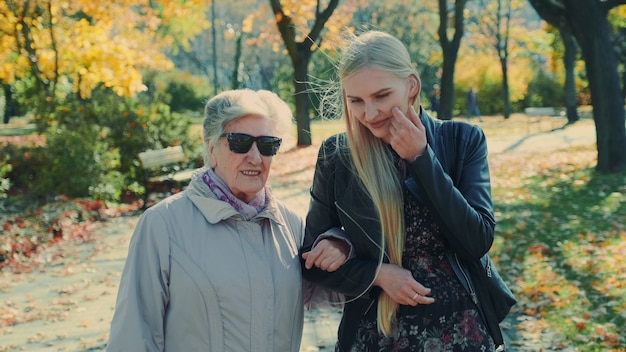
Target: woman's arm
{"points": [[137, 323], [356, 275], [462, 205]]}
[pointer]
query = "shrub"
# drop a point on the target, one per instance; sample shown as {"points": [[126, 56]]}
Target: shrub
{"points": [[5, 182], [183, 97], [92, 144], [544, 90]]}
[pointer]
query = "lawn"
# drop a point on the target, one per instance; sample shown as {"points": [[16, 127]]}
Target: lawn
{"points": [[561, 243]]}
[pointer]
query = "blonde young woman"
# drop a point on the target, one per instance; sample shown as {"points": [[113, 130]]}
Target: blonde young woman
{"points": [[413, 196]]}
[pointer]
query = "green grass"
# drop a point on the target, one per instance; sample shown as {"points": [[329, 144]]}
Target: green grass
{"points": [[561, 242]]}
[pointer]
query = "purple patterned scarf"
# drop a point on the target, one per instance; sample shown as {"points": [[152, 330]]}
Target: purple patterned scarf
{"points": [[223, 193]]}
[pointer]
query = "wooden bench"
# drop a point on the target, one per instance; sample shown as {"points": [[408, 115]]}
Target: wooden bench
{"points": [[538, 114], [163, 166]]}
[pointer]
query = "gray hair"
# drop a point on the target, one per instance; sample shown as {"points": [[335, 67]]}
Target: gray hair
{"points": [[230, 105]]}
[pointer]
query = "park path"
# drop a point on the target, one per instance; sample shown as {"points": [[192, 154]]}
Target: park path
{"points": [[67, 306]]}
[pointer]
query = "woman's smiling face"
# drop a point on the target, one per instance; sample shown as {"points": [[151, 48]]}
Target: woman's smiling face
{"points": [[245, 174], [370, 95]]}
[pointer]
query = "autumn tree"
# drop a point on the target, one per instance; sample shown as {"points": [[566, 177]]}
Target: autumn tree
{"points": [[301, 25], [236, 51], [450, 22], [72, 47], [495, 24], [570, 56], [587, 20], [617, 17], [80, 65]]}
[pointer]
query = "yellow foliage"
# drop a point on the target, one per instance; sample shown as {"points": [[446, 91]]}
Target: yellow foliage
{"points": [[302, 14], [247, 24], [120, 39]]}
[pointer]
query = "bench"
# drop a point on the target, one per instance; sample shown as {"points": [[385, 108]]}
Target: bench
{"points": [[538, 114], [163, 166]]}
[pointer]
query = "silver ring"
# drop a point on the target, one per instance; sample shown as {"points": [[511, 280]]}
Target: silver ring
{"points": [[416, 296]]}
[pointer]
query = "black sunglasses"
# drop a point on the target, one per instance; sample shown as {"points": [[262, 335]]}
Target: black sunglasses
{"points": [[241, 143]]}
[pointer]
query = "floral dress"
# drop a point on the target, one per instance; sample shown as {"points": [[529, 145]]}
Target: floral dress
{"points": [[452, 322]]}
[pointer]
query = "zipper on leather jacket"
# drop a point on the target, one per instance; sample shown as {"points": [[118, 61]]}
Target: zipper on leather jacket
{"points": [[379, 263], [364, 232], [467, 279]]}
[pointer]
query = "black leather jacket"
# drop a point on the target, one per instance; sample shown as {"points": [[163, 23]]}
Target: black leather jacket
{"points": [[451, 177]]}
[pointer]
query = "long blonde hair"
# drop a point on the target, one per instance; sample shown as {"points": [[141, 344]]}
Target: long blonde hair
{"points": [[371, 157]]}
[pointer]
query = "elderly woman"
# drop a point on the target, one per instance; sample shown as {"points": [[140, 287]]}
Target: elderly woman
{"points": [[216, 267]]}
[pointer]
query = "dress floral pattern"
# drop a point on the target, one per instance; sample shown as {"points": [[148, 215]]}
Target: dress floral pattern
{"points": [[452, 323]]}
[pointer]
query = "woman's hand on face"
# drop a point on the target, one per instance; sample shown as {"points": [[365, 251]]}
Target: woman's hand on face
{"points": [[328, 254], [400, 285], [408, 135]]}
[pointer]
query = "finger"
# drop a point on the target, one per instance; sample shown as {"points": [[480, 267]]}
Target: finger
{"points": [[417, 299], [326, 260], [414, 117], [398, 114], [401, 122], [333, 262], [334, 265], [311, 258], [420, 299]]}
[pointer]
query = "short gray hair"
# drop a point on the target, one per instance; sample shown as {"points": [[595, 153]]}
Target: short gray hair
{"points": [[233, 104]]}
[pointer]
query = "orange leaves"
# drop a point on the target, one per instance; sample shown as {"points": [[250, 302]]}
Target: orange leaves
{"points": [[562, 242], [539, 248], [248, 22], [25, 240]]}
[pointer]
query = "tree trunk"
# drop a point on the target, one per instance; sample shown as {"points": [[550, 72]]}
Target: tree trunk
{"points": [[238, 51], [446, 99], [8, 103], [587, 21], [506, 108], [624, 83], [601, 65], [300, 54], [303, 102], [214, 49], [450, 49], [502, 46], [569, 62]]}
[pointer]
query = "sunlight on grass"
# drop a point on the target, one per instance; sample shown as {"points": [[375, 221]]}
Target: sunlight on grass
{"points": [[561, 242]]}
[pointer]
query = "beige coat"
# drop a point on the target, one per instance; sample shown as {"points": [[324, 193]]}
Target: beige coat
{"points": [[199, 277]]}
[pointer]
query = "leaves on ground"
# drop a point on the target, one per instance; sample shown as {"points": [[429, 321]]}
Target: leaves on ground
{"points": [[560, 243]]}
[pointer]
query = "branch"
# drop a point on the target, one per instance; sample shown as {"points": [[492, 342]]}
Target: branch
{"points": [[285, 27], [609, 4], [320, 20], [443, 24], [553, 12], [53, 43]]}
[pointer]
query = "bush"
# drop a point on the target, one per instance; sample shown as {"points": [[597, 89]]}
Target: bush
{"points": [[25, 162], [544, 90], [92, 144], [183, 97], [5, 183]]}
